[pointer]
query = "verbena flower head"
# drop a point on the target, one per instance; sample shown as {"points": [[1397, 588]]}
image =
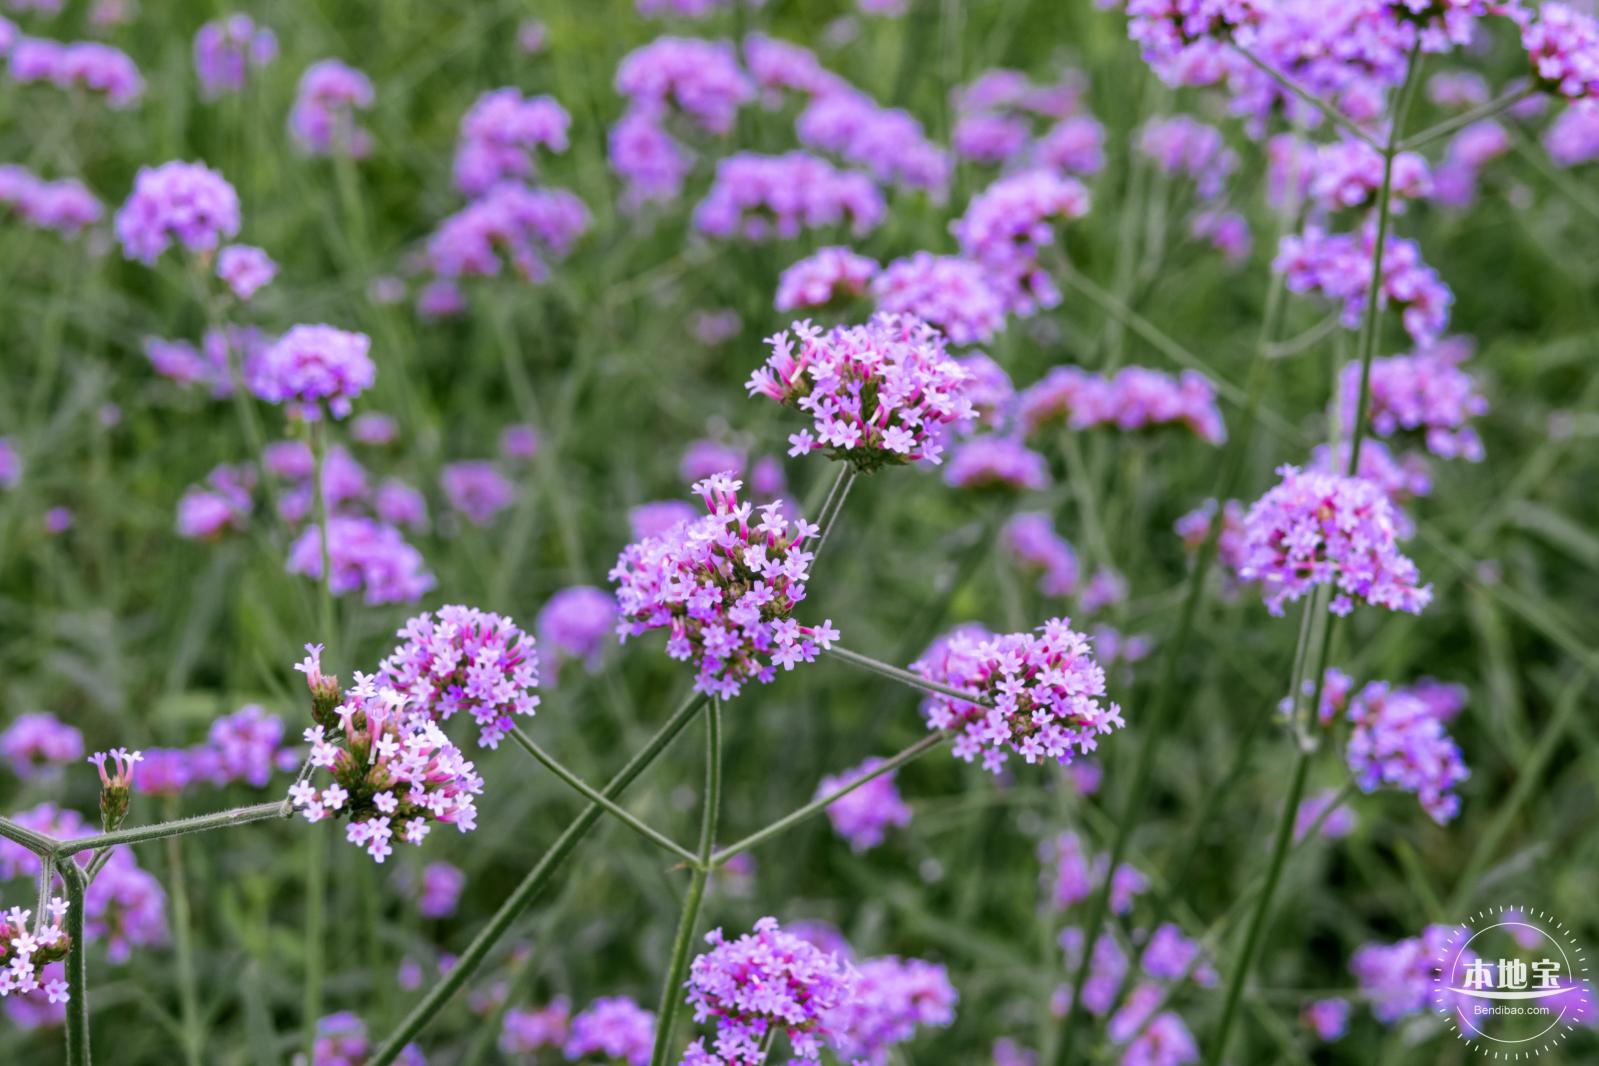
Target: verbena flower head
{"points": [[1327, 1018], [767, 980], [499, 134], [323, 117], [1427, 391], [66, 206], [879, 394], [246, 746], [477, 490], [1399, 979], [246, 269], [1180, 145], [366, 555], [310, 366], [990, 137], [1338, 266], [1347, 175], [468, 660], [1400, 479], [1033, 543], [831, 275], [27, 947], [892, 998], [1563, 45], [1044, 687], [440, 890], [116, 786], [725, 590], [1225, 231], [1075, 145], [888, 142], [1325, 529], [88, 66], [400, 504], [527, 1031], [614, 1027], [759, 197], [1397, 740], [997, 462], [700, 79], [1572, 139], [778, 66], [650, 161], [1135, 398], [1333, 819], [183, 203], [529, 227], [35, 742], [945, 291], [394, 773], [226, 49], [1007, 226], [864, 816], [576, 622]]}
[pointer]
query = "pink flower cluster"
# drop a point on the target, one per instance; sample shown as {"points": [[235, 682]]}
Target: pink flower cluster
{"points": [[86, 65], [888, 142], [221, 504], [946, 291], [766, 980], [1135, 398], [1070, 876], [576, 622], [1397, 739], [650, 161], [24, 951], [1347, 175], [209, 364], [1033, 543], [226, 49], [528, 226], [864, 816], [1009, 224], [186, 203], [879, 394], [1339, 267], [499, 133], [725, 589], [526, 1031], [66, 206], [778, 66], [1042, 694], [829, 275], [312, 365], [366, 555], [1563, 45], [1426, 391], [476, 489], [245, 746], [246, 269], [1573, 139], [465, 659], [995, 461], [890, 1000], [700, 79], [37, 741], [759, 197], [1401, 480], [1074, 145], [614, 1027], [1180, 145], [1325, 529], [323, 117], [1398, 979]]}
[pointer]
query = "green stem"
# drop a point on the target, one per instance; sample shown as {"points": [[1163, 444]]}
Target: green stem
{"points": [[319, 504], [1337, 117], [183, 942], [1466, 118], [904, 677], [821, 803], [37, 843], [833, 505], [671, 989], [315, 890], [588, 792], [77, 966], [532, 885], [201, 823]]}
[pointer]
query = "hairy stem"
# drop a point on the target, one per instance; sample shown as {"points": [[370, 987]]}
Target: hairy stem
{"points": [[315, 891], [183, 944], [200, 823], [833, 505], [77, 966], [1466, 118], [671, 988], [904, 677]]}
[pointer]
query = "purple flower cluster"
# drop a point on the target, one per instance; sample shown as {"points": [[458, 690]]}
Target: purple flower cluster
{"points": [[879, 394], [476, 489], [1180, 145], [1070, 876], [1398, 979], [367, 555], [528, 226], [66, 206], [1573, 138], [246, 746], [186, 203], [10, 464], [888, 142], [440, 890], [36, 742], [310, 365], [1327, 1018], [26, 948], [1428, 392], [766, 980], [1397, 739], [778, 66], [725, 589], [86, 65], [1325, 529], [864, 816], [759, 197], [1338, 266], [946, 291], [614, 1027], [890, 1000], [650, 161], [1042, 693], [699, 79], [995, 461], [1074, 145], [1401, 479], [245, 269], [226, 49], [499, 133], [1007, 226], [341, 1040], [830, 275], [1563, 46], [1034, 545], [576, 621], [1347, 175], [1135, 398], [1336, 822], [323, 117], [209, 364], [526, 1031], [465, 659]]}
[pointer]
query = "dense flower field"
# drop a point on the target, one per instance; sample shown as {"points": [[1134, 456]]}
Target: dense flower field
{"points": [[714, 532]]}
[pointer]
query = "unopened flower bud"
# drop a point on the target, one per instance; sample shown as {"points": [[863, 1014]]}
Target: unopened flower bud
{"points": [[115, 787], [325, 694]]}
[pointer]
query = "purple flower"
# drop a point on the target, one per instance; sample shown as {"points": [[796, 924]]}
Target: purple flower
{"points": [[1226, 231], [58, 520], [530, 227], [1071, 877], [187, 203], [164, 772], [654, 518], [1401, 480], [1007, 226], [777, 66], [864, 816], [1179, 145], [945, 291], [498, 135], [1165, 1041], [706, 457], [759, 197], [1397, 740], [1327, 1018], [36, 741], [526, 1031], [576, 622], [1562, 44], [679, 580], [247, 746], [323, 117], [1336, 822], [1397, 979], [441, 890], [1075, 145], [375, 429], [1034, 545], [1325, 529], [996, 462], [614, 1027], [650, 161], [66, 206], [465, 659], [366, 555], [1134, 399], [831, 275], [1106, 970], [701, 79], [519, 441], [891, 999], [1044, 690], [225, 50], [477, 490], [1573, 138], [400, 504], [878, 394], [310, 364], [246, 269], [990, 391], [440, 298], [10, 464], [1426, 391], [86, 65], [888, 142], [1348, 175], [28, 946], [767, 980], [1169, 956], [1339, 267], [988, 137]]}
